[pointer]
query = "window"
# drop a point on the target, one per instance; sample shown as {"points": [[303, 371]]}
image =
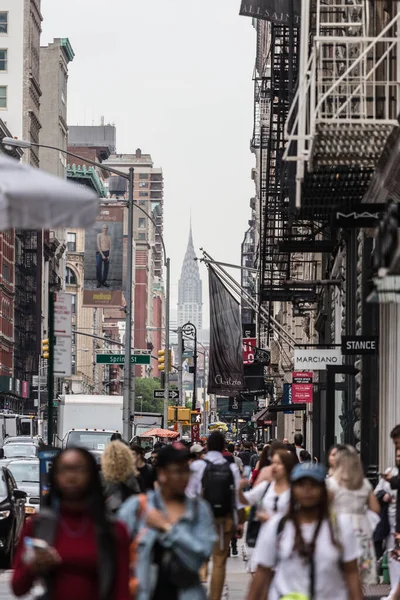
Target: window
{"points": [[143, 194], [142, 202], [142, 223], [143, 184], [3, 22], [70, 277], [71, 239], [142, 237], [73, 304], [3, 96], [143, 175], [3, 60], [6, 272]]}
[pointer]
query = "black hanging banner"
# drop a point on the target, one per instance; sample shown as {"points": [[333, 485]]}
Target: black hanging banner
{"points": [[225, 374], [280, 12]]}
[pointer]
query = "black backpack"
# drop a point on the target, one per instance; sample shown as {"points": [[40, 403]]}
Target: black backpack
{"points": [[219, 488]]}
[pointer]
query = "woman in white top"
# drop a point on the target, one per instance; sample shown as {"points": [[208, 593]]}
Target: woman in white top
{"points": [[273, 497], [307, 553], [353, 496]]}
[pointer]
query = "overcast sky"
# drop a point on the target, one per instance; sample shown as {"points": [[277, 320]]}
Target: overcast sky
{"points": [[175, 77]]}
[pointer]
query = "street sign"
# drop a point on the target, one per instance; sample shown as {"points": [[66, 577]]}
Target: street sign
{"points": [[62, 334], [46, 459], [188, 354], [119, 359], [173, 394]]}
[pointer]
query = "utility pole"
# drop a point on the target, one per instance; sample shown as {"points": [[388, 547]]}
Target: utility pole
{"points": [[50, 372], [167, 356], [129, 370], [180, 367]]}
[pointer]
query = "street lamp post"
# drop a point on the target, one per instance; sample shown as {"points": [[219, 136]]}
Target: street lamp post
{"points": [[190, 331], [129, 370]]}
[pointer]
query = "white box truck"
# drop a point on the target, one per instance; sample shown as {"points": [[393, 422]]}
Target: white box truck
{"points": [[88, 420]]}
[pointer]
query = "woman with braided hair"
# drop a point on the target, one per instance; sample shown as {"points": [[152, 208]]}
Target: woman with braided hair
{"points": [[307, 554]]}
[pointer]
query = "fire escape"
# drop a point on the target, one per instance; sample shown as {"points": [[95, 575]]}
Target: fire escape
{"points": [[26, 318], [347, 101]]}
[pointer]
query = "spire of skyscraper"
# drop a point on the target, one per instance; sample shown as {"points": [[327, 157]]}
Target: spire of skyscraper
{"points": [[190, 302]]}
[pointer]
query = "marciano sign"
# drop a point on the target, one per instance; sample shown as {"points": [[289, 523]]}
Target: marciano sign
{"points": [[316, 359]]}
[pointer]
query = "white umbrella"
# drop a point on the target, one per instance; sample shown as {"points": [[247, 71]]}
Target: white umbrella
{"points": [[32, 199]]}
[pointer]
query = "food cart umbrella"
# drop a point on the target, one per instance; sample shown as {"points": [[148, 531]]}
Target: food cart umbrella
{"points": [[162, 433], [32, 199]]}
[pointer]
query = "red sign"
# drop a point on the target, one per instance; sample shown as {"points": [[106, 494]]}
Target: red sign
{"points": [[302, 387], [249, 348], [195, 433]]}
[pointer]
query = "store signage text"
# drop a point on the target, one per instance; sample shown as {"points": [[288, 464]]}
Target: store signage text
{"points": [[317, 359], [359, 344]]}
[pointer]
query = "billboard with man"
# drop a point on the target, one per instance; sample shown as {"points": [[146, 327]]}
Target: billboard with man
{"points": [[104, 259]]}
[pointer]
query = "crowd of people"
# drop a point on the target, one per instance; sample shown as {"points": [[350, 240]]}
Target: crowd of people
{"points": [[150, 529]]}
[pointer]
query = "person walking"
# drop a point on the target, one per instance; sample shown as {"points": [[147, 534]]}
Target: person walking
{"points": [[307, 555], [120, 474], [147, 473], [393, 479], [246, 456], [298, 444], [218, 482], [353, 496], [83, 554], [268, 499], [175, 534], [264, 461]]}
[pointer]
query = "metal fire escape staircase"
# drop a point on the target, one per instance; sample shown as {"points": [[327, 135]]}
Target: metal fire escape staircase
{"points": [[346, 103]]}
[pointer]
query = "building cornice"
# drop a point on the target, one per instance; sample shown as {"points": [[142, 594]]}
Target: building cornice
{"points": [[89, 174]]}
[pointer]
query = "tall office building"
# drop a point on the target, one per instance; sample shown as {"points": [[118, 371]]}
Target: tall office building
{"points": [[190, 301], [149, 296]]}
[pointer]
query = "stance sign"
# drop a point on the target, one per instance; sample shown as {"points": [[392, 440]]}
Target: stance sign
{"points": [[359, 345]]}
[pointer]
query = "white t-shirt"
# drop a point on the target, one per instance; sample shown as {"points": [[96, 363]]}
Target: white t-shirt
{"points": [[292, 574], [271, 502]]}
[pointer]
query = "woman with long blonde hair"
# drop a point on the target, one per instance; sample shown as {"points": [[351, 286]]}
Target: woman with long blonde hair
{"points": [[119, 473], [353, 496]]}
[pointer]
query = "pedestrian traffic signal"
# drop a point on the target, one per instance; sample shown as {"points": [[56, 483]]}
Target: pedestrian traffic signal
{"points": [[161, 360], [46, 349]]}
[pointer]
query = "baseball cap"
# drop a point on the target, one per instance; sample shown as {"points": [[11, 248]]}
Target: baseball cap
{"points": [[309, 471], [196, 449]]}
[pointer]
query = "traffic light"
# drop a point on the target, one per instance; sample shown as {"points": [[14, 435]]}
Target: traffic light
{"points": [[46, 349], [161, 360]]}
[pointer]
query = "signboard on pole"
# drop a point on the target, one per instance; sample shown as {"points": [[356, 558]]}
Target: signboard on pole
{"points": [[302, 387], [103, 283], [316, 359], [46, 459], [119, 359], [249, 348], [172, 394], [62, 334], [280, 12], [359, 345]]}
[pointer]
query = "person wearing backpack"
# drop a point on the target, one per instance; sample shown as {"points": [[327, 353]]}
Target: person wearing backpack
{"points": [[309, 554], [218, 482], [171, 535]]}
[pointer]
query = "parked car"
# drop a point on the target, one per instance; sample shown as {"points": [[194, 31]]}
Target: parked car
{"points": [[26, 474], [24, 439], [19, 451], [12, 514]]}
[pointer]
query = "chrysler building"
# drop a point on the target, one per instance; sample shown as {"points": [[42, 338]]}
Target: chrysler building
{"points": [[190, 303]]}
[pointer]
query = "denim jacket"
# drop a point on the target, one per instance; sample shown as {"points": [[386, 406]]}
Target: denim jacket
{"points": [[192, 538]]}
